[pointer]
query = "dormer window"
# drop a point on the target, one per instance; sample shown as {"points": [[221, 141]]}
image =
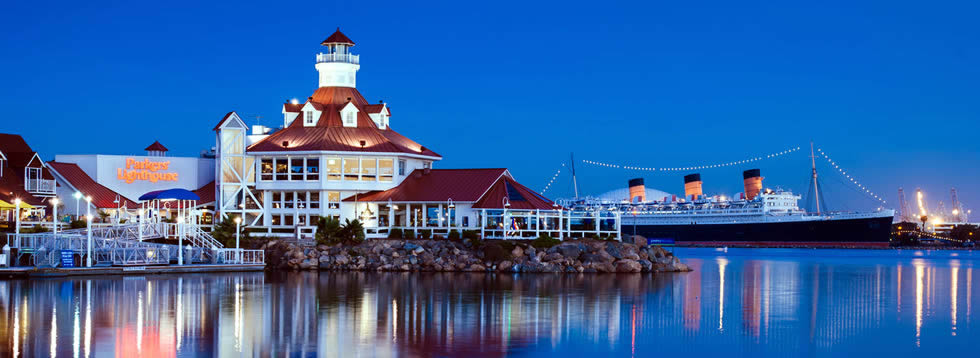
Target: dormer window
{"points": [[348, 115], [308, 118], [383, 122], [349, 119]]}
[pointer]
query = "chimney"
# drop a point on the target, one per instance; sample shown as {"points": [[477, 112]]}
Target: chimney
{"points": [[638, 192], [752, 179], [692, 186]]}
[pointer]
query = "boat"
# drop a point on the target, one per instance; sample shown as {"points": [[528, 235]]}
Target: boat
{"points": [[756, 217]]}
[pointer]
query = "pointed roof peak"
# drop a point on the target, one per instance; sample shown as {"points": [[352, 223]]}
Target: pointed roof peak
{"points": [[156, 146], [337, 38]]}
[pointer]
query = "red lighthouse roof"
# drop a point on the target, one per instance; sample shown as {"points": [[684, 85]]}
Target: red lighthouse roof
{"points": [[337, 38], [156, 147]]}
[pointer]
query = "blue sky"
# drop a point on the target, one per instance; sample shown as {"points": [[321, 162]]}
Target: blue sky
{"points": [[888, 88]]}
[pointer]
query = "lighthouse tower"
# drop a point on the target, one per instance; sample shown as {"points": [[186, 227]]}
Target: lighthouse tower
{"points": [[338, 66]]}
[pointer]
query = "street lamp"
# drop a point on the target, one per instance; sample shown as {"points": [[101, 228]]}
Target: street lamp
{"points": [[88, 206], [54, 216], [88, 249], [17, 219], [238, 230], [77, 195]]}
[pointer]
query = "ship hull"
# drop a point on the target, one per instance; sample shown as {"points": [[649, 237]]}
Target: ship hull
{"points": [[871, 232]]}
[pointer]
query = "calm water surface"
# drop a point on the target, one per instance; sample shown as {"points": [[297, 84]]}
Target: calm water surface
{"points": [[748, 302]]}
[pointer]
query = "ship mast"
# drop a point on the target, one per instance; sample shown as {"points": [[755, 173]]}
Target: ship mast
{"points": [[574, 180], [813, 165]]}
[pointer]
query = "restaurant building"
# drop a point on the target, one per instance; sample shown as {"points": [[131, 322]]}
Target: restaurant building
{"points": [[339, 155], [24, 177]]}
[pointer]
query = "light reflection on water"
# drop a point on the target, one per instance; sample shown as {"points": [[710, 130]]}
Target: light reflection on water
{"points": [[739, 302]]}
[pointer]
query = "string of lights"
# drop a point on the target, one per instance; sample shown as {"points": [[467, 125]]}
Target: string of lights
{"points": [[849, 177], [692, 167], [553, 177]]}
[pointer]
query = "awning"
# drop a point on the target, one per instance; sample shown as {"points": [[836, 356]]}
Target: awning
{"points": [[170, 194], [23, 205]]}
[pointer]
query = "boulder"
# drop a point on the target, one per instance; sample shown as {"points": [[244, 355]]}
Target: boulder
{"points": [[417, 251], [410, 246], [614, 251], [504, 266], [605, 267], [517, 251], [628, 266], [605, 256], [646, 265], [554, 256], [570, 250], [477, 268]]}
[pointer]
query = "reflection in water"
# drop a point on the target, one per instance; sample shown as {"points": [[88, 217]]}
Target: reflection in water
{"points": [[761, 301]]}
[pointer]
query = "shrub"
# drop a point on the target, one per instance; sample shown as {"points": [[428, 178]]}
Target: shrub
{"points": [[454, 235], [103, 215], [224, 232], [352, 232], [437, 237], [472, 237], [545, 242], [36, 229], [495, 252], [327, 231], [78, 224], [426, 233], [395, 234], [410, 234]]}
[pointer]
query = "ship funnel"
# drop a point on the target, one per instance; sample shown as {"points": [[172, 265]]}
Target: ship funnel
{"points": [[638, 192], [692, 186], [752, 179]]}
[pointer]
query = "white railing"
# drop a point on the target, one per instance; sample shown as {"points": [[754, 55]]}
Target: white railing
{"points": [[39, 186], [338, 57], [240, 256], [133, 256]]}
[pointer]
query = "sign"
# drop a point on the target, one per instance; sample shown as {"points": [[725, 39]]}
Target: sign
{"points": [[145, 170], [660, 241], [67, 259]]}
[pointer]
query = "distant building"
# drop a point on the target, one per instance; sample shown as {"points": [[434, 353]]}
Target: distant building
{"points": [[23, 176], [339, 155]]}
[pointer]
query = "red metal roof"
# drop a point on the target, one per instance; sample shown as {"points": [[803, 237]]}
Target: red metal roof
{"points": [[157, 147], [520, 197], [102, 197], [222, 121], [463, 185], [329, 133], [206, 193], [19, 156], [486, 188], [337, 38]]}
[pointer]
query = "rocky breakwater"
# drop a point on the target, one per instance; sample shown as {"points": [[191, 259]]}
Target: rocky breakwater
{"points": [[579, 256]]}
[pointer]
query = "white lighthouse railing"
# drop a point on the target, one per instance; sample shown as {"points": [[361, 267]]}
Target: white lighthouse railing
{"points": [[338, 57]]}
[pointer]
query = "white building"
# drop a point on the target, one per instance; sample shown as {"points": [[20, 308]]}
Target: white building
{"points": [[338, 155]]}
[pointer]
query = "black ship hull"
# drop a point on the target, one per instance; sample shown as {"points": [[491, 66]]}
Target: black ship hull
{"points": [[872, 231]]}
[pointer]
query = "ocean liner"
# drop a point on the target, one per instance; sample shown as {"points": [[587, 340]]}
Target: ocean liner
{"points": [[758, 216]]}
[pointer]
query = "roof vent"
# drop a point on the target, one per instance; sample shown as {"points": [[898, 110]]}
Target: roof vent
{"points": [[285, 144], [348, 99], [363, 143], [421, 148]]}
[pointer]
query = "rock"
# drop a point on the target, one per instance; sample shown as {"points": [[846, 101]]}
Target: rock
{"points": [[628, 266], [307, 264], [554, 256], [638, 240], [410, 246], [605, 256], [504, 266], [570, 250], [531, 251], [605, 267], [404, 267], [322, 247], [413, 260], [614, 251], [417, 251], [631, 256], [646, 265], [477, 268], [342, 259], [517, 251], [395, 254]]}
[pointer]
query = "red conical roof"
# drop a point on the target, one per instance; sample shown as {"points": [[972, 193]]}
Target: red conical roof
{"points": [[157, 147], [337, 38]]}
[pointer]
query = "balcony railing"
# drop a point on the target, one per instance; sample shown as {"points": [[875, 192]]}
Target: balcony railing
{"points": [[42, 186], [338, 57]]}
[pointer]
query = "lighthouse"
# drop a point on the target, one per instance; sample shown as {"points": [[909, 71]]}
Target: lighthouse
{"points": [[337, 66]]}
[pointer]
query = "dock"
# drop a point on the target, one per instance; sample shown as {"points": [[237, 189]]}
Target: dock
{"points": [[29, 272]]}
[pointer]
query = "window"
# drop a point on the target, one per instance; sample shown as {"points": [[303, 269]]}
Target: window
{"points": [[426, 165], [276, 200], [333, 200], [349, 119], [351, 166], [466, 221], [287, 220], [287, 200], [309, 119], [267, 169], [401, 167], [282, 168], [369, 169], [385, 169], [296, 168], [314, 200], [333, 169], [312, 168]]}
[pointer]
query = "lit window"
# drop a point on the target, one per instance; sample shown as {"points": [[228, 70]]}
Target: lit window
{"points": [[385, 169], [351, 168], [267, 169], [333, 200], [369, 169], [308, 118], [314, 200], [282, 168], [333, 169], [312, 168]]}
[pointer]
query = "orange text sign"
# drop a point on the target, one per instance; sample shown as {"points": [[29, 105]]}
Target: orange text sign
{"points": [[145, 170]]}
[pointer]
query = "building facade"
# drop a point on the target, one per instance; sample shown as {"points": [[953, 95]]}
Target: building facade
{"points": [[339, 155]]}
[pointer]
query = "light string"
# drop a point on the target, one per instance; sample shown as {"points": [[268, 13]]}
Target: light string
{"points": [[693, 167], [849, 177], [553, 177]]}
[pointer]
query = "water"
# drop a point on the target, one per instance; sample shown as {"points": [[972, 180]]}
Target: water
{"points": [[748, 302]]}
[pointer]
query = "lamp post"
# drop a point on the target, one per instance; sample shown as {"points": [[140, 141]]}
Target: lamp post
{"points": [[54, 216], [77, 195], [139, 224], [17, 218], [450, 205], [88, 206], [238, 230], [88, 249]]}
